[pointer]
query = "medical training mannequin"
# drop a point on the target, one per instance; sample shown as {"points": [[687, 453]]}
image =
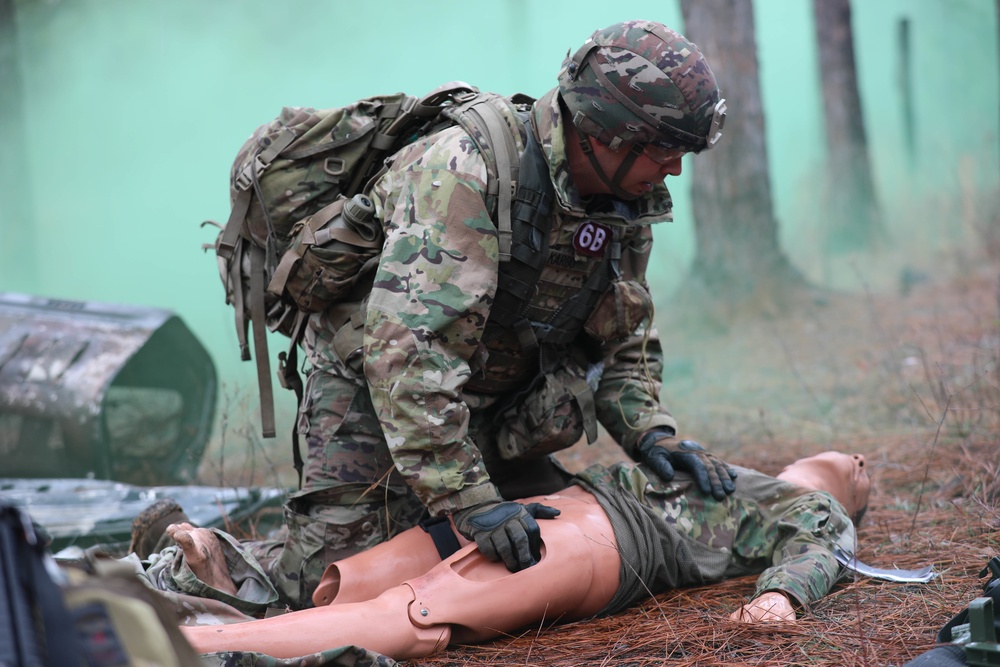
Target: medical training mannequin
{"points": [[400, 599]]}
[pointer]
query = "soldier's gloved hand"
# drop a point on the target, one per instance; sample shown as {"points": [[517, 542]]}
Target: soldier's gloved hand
{"points": [[661, 453], [505, 531]]}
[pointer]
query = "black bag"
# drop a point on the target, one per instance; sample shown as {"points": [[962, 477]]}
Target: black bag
{"points": [[99, 614], [957, 655], [31, 605]]}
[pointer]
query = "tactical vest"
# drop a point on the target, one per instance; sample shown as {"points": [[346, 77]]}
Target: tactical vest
{"points": [[536, 310], [544, 295]]}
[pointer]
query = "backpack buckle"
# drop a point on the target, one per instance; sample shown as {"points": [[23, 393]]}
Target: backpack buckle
{"points": [[334, 167], [245, 179]]}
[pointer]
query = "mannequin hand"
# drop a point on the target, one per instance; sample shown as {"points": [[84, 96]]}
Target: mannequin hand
{"points": [[769, 607], [712, 475], [505, 531]]}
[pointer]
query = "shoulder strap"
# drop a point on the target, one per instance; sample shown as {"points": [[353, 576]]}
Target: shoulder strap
{"points": [[288, 376], [530, 226], [483, 113], [258, 318], [244, 186]]}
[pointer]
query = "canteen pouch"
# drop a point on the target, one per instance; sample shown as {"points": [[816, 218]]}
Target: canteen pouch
{"points": [[327, 252]]}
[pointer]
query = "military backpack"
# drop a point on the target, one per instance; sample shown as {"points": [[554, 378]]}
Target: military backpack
{"points": [[301, 234]]}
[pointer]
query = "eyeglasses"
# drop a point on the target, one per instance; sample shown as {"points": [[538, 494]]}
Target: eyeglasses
{"points": [[661, 155]]}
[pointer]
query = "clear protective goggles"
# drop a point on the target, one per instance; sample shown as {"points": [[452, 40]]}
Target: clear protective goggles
{"points": [[662, 155], [663, 152]]}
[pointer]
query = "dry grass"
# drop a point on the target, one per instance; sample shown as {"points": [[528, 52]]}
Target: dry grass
{"points": [[862, 622], [909, 381]]}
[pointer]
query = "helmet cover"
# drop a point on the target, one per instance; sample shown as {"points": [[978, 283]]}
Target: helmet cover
{"points": [[641, 82]]}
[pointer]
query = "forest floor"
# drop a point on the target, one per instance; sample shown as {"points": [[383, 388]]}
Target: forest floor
{"points": [[908, 379], [907, 376]]}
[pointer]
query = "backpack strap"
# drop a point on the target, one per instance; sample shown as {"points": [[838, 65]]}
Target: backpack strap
{"points": [[530, 226], [235, 272], [258, 317], [395, 121], [226, 248], [484, 114], [392, 120], [244, 189], [288, 376]]}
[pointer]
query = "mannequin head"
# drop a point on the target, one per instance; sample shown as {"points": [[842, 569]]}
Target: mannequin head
{"points": [[843, 476]]}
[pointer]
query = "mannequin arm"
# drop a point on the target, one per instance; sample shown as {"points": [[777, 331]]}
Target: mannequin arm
{"points": [[768, 607]]}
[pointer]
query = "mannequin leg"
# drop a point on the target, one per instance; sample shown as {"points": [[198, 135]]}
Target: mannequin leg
{"points": [[463, 598], [576, 577], [365, 575], [410, 554], [381, 625]]}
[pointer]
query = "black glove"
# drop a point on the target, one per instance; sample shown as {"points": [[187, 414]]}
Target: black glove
{"points": [[506, 531], [663, 455]]}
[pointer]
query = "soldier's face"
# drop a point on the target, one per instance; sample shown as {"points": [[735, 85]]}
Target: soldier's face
{"points": [[645, 172], [654, 167], [648, 170]]}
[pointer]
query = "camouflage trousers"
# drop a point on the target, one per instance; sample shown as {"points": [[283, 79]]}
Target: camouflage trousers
{"points": [[352, 496]]}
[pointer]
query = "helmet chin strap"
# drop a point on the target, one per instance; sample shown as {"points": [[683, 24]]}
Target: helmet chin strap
{"points": [[614, 183]]}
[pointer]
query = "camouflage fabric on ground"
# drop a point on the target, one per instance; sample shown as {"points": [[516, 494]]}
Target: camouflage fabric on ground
{"points": [[670, 535], [168, 571], [345, 656]]}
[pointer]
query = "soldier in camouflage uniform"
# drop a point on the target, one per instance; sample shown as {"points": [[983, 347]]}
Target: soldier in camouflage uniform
{"points": [[625, 534], [418, 403]]}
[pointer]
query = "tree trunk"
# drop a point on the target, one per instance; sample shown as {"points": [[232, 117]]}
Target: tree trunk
{"points": [[17, 248], [851, 215], [905, 75], [739, 266]]}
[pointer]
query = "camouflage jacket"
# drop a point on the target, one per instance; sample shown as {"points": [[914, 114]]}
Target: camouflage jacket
{"points": [[767, 526], [431, 299]]}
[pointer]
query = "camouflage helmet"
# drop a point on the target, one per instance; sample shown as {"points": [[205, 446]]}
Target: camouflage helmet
{"points": [[641, 82]]}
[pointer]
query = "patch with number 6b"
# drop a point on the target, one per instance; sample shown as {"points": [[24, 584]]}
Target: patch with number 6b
{"points": [[591, 239]]}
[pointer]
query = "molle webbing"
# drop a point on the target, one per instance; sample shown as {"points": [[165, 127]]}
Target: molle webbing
{"points": [[519, 277], [565, 324], [530, 222]]}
